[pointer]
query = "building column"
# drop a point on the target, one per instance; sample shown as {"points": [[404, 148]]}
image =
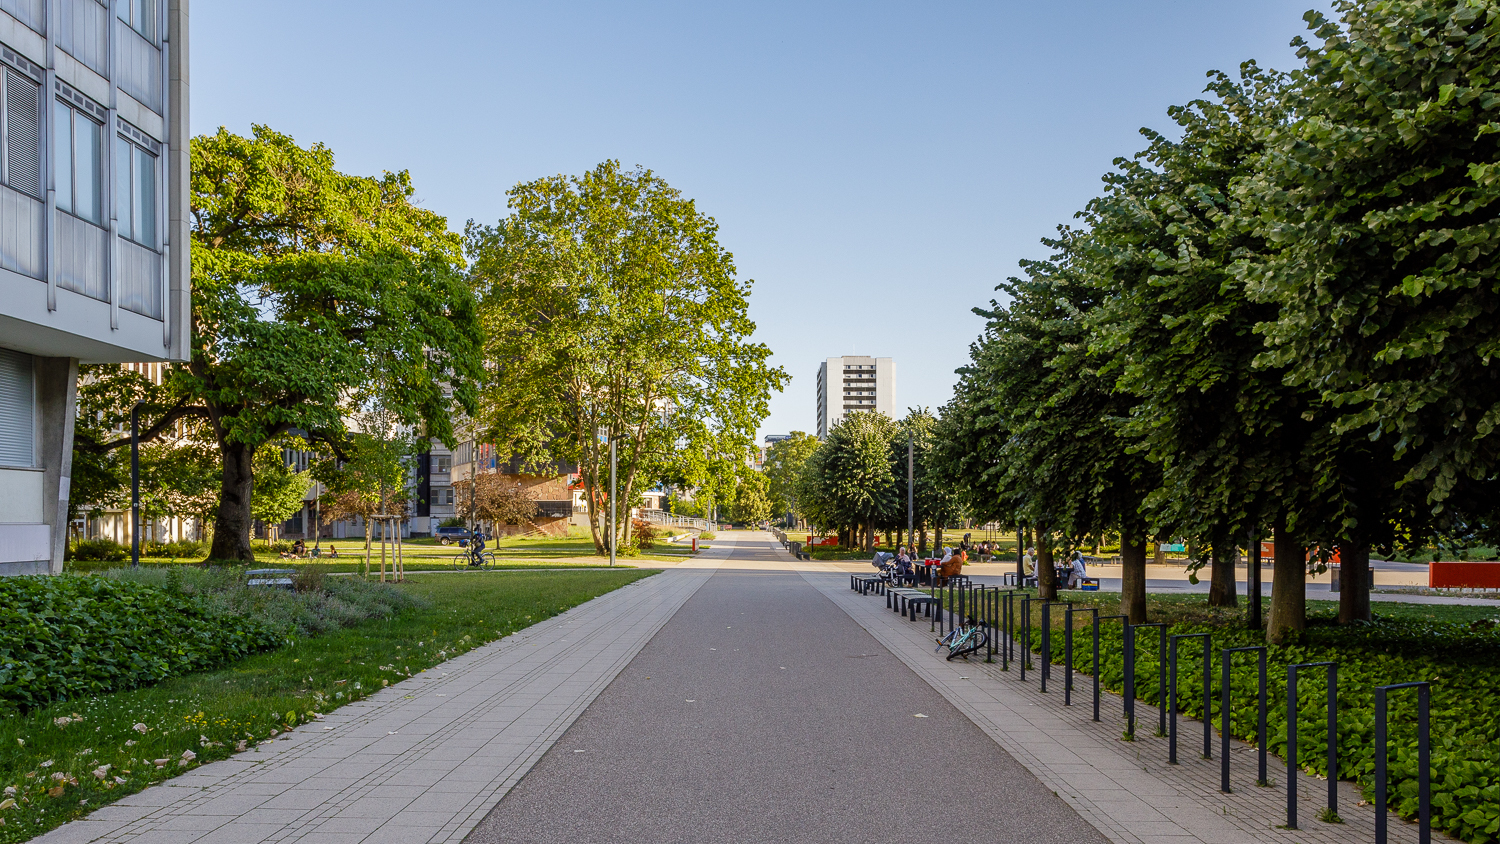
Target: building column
{"points": [[57, 403]]}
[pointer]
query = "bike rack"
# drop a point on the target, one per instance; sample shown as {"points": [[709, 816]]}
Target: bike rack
{"points": [[1226, 716], [1161, 676], [1208, 697], [1008, 614], [1291, 738], [1068, 651], [1124, 619], [1047, 638], [1025, 629], [1424, 762]]}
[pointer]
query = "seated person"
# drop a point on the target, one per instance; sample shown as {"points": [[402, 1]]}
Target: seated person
{"points": [[333, 551], [1076, 571]]}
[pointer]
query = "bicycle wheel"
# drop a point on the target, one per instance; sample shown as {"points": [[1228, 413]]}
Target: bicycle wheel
{"points": [[488, 560]]}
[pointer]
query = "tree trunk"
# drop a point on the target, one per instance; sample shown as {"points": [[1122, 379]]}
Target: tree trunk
{"points": [[922, 542], [1020, 554], [1161, 555], [232, 521], [900, 538], [1221, 587], [1354, 582], [1046, 576], [1288, 588], [937, 540], [1133, 574]]}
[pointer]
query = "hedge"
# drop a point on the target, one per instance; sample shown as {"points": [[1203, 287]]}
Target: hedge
{"points": [[1459, 660], [67, 636]]}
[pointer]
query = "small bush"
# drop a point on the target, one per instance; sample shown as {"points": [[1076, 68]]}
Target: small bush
{"points": [[706, 534], [452, 521], [643, 533], [67, 636], [174, 550], [98, 550]]}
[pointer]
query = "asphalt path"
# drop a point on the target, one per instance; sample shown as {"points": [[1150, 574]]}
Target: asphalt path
{"points": [[762, 712]]}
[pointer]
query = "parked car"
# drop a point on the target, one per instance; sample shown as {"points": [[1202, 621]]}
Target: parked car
{"points": [[446, 535]]}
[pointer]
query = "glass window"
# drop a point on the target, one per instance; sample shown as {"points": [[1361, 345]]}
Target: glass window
{"points": [[135, 192], [77, 147], [140, 15]]}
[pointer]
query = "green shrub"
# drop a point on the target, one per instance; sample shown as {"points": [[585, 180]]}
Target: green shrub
{"points": [[98, 550], [451, 521], [707, 534], [67, 636], [174, 550], [1462, 661], [316, 604]]}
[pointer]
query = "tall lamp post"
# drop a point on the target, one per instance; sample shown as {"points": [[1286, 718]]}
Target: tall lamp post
{"points": [[135, 485], [910, 490]]}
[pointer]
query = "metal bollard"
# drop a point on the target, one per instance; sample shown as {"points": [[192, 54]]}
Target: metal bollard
{"points": [[1424, 762], [1068, 651], [1208, 691], [1047, 638], [1291, 738], [1124, 619], [1225, 715]]}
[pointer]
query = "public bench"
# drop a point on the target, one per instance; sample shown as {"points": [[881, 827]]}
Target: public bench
{"points": [[907, 600], [272, 578]]}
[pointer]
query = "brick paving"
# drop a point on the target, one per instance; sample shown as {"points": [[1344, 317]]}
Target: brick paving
{"points": [[1125, 789], [420, 761]]}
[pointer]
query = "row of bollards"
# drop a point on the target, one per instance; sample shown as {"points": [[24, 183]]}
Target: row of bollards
{"points": [[994, 607]]}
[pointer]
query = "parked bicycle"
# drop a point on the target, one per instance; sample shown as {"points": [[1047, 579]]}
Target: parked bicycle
{"points": [[965, 638]]}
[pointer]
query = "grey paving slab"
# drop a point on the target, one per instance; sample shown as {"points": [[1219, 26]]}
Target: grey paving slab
{"points": [[420, 761], [761, 713]]}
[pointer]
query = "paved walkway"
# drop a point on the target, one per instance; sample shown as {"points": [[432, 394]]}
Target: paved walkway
{"points": [[740, 696], [761, 712]]}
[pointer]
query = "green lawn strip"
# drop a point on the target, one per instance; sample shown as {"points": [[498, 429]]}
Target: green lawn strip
{"points": [[67, 759], [1456, 648]]}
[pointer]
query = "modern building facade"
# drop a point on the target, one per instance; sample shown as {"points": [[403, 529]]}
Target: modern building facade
{"points": [[94, 264], [853, 383]]}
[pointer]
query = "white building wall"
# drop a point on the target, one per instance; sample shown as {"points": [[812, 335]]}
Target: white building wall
{"points": [[851, 384]]}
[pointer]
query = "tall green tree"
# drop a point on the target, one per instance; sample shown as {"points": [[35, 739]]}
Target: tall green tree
{"points": [[610, 307], [849, 482], [313, 290], [1378, 204], [783, 467]]}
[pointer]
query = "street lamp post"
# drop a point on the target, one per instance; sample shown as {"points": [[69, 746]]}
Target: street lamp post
{"points": [[910, 490], [613, 530], [135, 485]]}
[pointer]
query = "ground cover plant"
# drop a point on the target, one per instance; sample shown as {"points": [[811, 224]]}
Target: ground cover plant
{"points": [[66, 637], [1456, 648], [61, 761]]}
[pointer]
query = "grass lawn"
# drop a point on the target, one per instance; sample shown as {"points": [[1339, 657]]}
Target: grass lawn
{"points": [[426, 555], [67, 759]]}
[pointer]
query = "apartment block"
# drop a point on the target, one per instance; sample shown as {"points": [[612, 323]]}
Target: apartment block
{"points": [[854, 383], [94, 232]]}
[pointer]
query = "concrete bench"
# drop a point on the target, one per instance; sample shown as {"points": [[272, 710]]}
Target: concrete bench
{"points": [[907, 600], [273, 578]]}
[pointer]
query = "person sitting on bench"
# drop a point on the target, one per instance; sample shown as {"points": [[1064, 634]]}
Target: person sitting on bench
{"points": [[1077, 573]]}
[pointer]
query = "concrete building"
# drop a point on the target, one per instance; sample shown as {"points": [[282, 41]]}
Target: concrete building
{"points": [[94, 231], [853, 383]]}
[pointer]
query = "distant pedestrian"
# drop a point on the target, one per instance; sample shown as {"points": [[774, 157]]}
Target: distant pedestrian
{"points": [[1077, 572]]}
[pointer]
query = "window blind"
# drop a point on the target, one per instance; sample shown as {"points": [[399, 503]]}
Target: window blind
{"points": [[17, 410]]}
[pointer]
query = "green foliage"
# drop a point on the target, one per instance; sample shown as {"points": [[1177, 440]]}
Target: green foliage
{"points": [[1378, 203], [783, 470], [749, 503], [1460, 659], [609, 304], [850, 480], [278, 489], [98, 550], [313, 292], [64, 637]]}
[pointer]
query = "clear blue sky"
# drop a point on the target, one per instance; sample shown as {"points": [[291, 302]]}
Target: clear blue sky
{"points": [[876, 167]]}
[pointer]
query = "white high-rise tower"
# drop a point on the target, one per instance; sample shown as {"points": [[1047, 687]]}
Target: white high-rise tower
{"points": [[853, 383]]}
